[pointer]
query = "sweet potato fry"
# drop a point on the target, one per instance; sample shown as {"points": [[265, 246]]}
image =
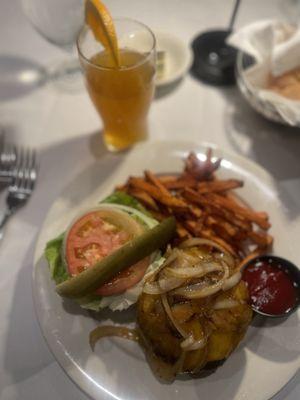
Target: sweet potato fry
{"points": [[158, 215], [153, 191], [236, 220], [218, 186], [241, 236], [249, 257], [168, 178], [156, 182], [191, 226], [193, 196], [196, 211], [224, 225], [171, 182], [181, 231], [259, 218], [262, 239], [180, 183], [208, 234], [145, 199]]}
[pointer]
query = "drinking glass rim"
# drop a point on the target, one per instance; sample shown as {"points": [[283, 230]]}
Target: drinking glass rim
{"points": [[88, 61]]}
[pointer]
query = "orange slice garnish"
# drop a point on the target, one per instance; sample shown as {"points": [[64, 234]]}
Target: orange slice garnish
{"points": [[100, 21]]}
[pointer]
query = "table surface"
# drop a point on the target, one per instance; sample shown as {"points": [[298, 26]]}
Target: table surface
{"points": [[63, 125]]}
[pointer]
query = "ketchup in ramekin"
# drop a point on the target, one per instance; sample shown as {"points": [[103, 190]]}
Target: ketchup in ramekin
{"points": [[273, 284]]}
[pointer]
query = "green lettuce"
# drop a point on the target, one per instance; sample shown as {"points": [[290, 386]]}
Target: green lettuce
{"points": [[125, 200], [90, 302], [53, 254]]}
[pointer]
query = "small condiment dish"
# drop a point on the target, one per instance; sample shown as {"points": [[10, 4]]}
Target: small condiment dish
{"points": [[267, 270], [174, 58]]}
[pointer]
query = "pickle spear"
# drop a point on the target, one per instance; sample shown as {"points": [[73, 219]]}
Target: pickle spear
{"points": [[140, 247]]}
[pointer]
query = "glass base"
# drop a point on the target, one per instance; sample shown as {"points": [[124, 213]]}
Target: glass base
{"points": [[19, 76], [214, 60], [118, 143]]}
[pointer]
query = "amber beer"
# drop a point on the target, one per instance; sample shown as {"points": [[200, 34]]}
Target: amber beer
{"points": [[122, 95]]}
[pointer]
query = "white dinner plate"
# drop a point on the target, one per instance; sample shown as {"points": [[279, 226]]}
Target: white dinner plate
{"points": [[263, 363]]}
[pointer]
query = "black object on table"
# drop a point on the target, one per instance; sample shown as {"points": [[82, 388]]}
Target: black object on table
{"points": [[214, 60]]}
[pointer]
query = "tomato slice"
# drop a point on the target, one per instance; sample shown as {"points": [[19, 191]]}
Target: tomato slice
{"points": [[124, 279], [97, 234]]}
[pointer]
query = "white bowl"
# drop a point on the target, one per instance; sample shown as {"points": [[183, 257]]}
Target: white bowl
{"points": [[177, 59]]}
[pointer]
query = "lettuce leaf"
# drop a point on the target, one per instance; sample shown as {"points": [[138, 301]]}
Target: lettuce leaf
{"points": [[53, 254], [125, 200], [90, 302]]}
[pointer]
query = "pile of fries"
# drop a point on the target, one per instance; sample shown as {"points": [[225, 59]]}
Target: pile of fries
{"points": [[204, 206]]}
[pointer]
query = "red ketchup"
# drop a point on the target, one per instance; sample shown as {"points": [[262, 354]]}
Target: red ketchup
{"points": [[271, 288]]}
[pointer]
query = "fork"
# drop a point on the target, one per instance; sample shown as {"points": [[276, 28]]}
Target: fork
{"points": [[24, 176], [8, 158]]}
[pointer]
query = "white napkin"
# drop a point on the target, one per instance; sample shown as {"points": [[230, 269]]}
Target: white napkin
{"points": [[275, 46]]}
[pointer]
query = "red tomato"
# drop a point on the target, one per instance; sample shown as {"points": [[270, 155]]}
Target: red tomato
{"points": [[90, 239], [125, 279]]}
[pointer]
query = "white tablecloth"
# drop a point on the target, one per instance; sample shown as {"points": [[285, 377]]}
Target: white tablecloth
{"points": [[61, 126]]}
